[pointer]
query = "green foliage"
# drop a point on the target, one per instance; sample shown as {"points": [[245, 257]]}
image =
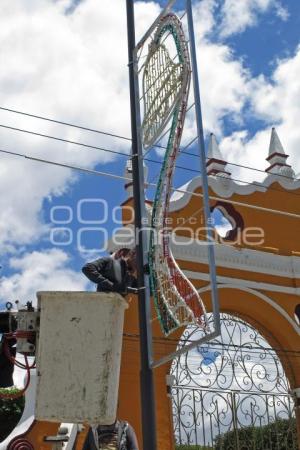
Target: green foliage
{"points": [[10, 412], [281, 434]]}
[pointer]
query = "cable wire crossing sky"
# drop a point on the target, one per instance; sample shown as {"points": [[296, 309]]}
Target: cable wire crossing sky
{"points": [[64, 98]]}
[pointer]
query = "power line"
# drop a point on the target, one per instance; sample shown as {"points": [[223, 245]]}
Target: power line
{"points": [[218, 345], [103, 149], [116, 136], [240, 165], [67, 166], [68, 124], [250, 183], [67, 141], [182, 191]]}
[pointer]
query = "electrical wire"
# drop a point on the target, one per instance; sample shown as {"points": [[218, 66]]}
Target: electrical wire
{"points": [[153, 179], [122, 137], [121, 177], [254, 349], [67, 166], [239, 165], [157, 145], [17, 335], [125, 155], [249, 183], [67, 141], [68, 124]]}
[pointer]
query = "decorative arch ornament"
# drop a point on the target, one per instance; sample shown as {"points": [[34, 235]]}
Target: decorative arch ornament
{"points": [[233, 385], [166, 83]]}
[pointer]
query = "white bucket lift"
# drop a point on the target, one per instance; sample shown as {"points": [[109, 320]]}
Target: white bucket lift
{"points": [[79, 356]]}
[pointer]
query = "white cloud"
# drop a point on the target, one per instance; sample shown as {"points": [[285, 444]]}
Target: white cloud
{"points": [[240, 148], [223, 228], [204, 17], [224, 81], [23, 187], [238, 15], [276, 102], [282, 12], [40, 270], [76, 71], [47, 270]]}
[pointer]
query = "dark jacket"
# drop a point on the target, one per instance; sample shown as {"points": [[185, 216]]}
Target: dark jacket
{"points": [[110, 275], [122, 431]]}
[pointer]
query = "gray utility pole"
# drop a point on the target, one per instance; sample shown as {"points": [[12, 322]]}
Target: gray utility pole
{"points": [[146, 374], [206, 207]]}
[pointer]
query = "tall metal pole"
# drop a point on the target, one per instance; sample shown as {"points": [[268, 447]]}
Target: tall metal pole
{"points": [[146, 374], [207, 216]]}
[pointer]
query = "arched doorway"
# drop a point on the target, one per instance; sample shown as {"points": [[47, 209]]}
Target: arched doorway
{"points": [[232, 393]]}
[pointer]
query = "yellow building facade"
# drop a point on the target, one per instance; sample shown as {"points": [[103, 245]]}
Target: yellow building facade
{"points": [[258, 276], [258, 272]]}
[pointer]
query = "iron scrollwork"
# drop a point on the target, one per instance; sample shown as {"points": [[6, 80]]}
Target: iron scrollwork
{"points": [[232, 393]]}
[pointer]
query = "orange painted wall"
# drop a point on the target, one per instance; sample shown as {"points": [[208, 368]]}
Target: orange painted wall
{"points": [[129, 393], [281, 238]]}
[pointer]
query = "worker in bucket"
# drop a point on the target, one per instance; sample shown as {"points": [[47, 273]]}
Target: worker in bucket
{"points": [[115, 273], [118, 436]]}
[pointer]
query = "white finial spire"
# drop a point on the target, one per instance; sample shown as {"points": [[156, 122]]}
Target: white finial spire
{"points": [[213, 148], [277, 158], [215, 160], [275, 144]]}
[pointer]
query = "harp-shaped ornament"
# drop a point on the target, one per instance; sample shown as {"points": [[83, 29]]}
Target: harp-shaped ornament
{"points": [[166, 82]]}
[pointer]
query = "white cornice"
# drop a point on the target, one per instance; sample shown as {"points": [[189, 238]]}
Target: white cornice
{"points": [[226, 255], [240, 259], [242, 283], [226, 188]]}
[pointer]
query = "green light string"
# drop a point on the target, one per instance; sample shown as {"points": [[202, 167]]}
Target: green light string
{"points": [[167, 320]]}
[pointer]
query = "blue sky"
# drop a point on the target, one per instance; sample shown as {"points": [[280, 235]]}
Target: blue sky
{"points": [[249, 61]]}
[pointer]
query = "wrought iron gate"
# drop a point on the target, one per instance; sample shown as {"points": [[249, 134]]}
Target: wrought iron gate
{"points": [[232, 394]]}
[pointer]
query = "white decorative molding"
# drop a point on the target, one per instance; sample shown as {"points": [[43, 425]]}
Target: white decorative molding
{"points": [[263, 297], [180, 199], [242, 283], [216, 163], [227, 256]]}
